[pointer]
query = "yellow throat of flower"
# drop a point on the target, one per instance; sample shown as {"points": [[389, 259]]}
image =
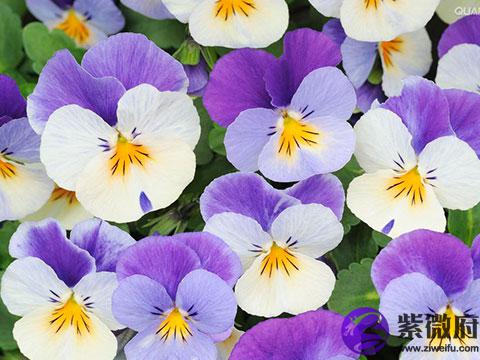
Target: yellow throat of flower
{"points": [[75, 27], [279, 260], [388, 48], [174, 326], [71, 314], [295, 135], [59, 193], [7, 169], [226, 9], [409, 185], [126, 155]]}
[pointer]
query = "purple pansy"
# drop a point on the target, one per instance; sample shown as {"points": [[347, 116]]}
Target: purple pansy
{"points": [[176, 292], [278, 235], [279, 120], [24, 185], [62, 289], [459, 52], [311, 335], [197, 78], [85, 21], [428, 274], [419, 152]]}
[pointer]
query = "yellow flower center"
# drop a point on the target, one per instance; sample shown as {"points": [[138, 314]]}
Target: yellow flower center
{"points": [[295, 135], [59, 193], [279, 259], [7, 169], [127, 155], [75, 27], [387, 48], [71, 314], [224, 9], [174, 326], [409, 185], [369, 4]]}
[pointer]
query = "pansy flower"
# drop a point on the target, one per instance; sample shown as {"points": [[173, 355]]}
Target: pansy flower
{"points": [[121, 132], [430, 275], [378, 20], [85, 21], [407, 54], [176, 292], [459, 52], [62, 289], [415, 165], [228, 23], [24, 185], [278, 236], [312, 335], [280, 121]]}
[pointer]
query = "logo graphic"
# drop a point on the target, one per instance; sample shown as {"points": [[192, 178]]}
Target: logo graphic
{"points": [[365, 331]]}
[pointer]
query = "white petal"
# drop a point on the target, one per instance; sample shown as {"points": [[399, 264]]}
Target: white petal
{"points": [[38, 340], [97, 289], [24, 193], [68, 211], [266, 22], [369, 200], [313, 229], [411, 54], [181, 9], [28, 283], [240, 233], [306, 289], [70, 140], [458, 68], [225, 347], [169, 115], [378, 20], [329, 8], [455, 168], [161, 180], [381, 138]]}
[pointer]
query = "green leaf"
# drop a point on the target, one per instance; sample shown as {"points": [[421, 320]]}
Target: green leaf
{"points": [[349, 220], [17, 6], [6, 231], [215, 139], [355, 246], [6, 326], [354, 289], [465, 224], [11, 52], [188, 53], [210, 56], [349, 172], [381, 239], [41, 44], [202, 151]]}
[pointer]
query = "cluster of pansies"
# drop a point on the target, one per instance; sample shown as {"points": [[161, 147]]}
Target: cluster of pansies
{"points": [[229, 179]]}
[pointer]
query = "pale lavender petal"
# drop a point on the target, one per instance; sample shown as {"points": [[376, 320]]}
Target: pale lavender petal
{"points": [[325, 92], [247, 136], [423, 108], [304, 51], [139, 301], [104, 14], [464, 31], [465, 116], [367, 94], [311, 335], [63, 82], [19, 141], [215, 255], [245, 194], [133, 59], [47, 241], [197, 78], [334, 29], [104, 242], [209, 301], [163, 260], [476, 257], [320, 189], [12, 103], [153, 8], [410, 294], [47, 10], [358, 59], [469, 302], [441, 257], [236, 84]]}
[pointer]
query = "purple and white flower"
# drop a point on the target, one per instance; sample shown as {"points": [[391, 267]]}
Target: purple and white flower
{"points": [[107, 132], [85, 21], [419, 153], [62, 288], [286, 117], [24, 185], [459, 51], [428, 274], [176, 292], [233, 24], [278, 235], [312, 335]]}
